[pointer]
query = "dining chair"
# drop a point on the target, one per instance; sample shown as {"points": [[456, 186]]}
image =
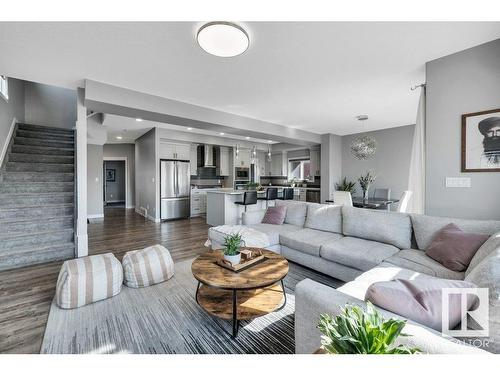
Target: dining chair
{"points": [[342, 198], [383, 194], [403, 202]]}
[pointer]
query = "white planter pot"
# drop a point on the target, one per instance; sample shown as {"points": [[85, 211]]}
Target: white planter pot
{"points": [[234, 259]]}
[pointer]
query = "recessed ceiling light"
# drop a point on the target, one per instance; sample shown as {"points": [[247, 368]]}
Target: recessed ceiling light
{"points": [[269, 141], [119, 137], [138, 119], [247, 137], [222, 133], [189, 128], [223, 39]]}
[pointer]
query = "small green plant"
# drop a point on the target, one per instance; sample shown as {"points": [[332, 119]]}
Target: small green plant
{"points": [[232, 244], [345, 185], [253, 185], [355, 331]]}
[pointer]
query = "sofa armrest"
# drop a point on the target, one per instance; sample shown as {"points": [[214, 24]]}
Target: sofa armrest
{"points": [[313, 299], [252, 217]]}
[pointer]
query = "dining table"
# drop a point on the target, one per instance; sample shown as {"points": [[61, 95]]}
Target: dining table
{"points": [[374, 203]]}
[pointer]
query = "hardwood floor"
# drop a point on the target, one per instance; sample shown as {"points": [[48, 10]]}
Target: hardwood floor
{"points": [[26, 293]]}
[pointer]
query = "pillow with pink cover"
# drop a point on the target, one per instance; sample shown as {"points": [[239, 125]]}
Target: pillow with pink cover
{"points": [[275, 215], [421, 300]]}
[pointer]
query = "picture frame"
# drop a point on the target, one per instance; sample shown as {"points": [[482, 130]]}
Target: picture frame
{"points": [[480, 146], [110, 175]]}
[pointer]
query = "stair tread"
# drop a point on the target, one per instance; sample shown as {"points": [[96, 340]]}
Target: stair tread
{"points": [[43, 246], [32, 234], [53, 205], [46, 132], [24, 172], [48, 128], [67, 193], [29, 219], [45, 147]]}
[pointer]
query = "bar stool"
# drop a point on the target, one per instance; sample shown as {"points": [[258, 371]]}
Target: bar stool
{"points": [[287, 194], [271, 195], [249, 198]]}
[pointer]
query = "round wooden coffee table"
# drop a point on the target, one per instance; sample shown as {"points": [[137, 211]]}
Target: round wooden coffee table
{"points": [[250, 293]]}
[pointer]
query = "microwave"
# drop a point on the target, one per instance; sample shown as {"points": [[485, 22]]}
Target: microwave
{"points": [[242, 174]]}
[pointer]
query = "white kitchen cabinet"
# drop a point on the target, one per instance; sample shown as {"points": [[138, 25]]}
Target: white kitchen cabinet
{"points": [[261, 163], [315, 162], [178, 151], [277, 164], [224, 156], [193, 159], [198, 202], [243, 159]]}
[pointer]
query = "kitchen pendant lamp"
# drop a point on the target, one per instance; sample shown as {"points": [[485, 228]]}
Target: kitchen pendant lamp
{"points": [[223, 39]]}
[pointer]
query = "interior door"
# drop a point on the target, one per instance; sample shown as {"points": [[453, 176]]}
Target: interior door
{"points": [[183, 177]]}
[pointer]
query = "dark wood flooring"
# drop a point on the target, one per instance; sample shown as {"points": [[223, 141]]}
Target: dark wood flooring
{"points": [[26, 293]]}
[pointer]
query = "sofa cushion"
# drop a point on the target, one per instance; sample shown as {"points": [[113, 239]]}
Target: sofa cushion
{"points": [[425, 227], [308, 240], [454, 248], [275, 215], [295, 212], [325, 217], [491, 245], [357, 253], [273, 231], [388, 227], [421, 300], [417, 260]]}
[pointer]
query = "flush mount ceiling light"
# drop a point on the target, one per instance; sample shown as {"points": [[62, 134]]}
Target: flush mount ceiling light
{"points": [[119, 137], [138, 119], [223, 39]]}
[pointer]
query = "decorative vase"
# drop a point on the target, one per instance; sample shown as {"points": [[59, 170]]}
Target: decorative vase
{"points": [[234, 259], [365, 194]]}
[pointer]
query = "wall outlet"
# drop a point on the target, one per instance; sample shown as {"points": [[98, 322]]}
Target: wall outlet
{"points": [[458, 182]]}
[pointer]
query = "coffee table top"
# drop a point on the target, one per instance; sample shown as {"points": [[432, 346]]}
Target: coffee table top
{"points": [[268, 272]]}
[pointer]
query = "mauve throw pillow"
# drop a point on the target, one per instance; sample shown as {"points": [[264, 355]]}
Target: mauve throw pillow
{"points": [[454, 248], [420, 300], [275, 215]]}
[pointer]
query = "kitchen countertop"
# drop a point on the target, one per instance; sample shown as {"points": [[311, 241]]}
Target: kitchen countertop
{"points": [[296, 187]]}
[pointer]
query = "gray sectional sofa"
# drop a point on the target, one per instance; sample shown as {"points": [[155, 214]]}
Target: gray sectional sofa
{"points": [[361, 247]]}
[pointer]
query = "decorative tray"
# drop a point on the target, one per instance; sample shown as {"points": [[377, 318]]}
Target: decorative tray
{"points": [[249, 258]]}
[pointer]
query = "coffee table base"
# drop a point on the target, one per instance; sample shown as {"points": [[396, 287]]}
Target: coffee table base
{"points": [[236, 304]]}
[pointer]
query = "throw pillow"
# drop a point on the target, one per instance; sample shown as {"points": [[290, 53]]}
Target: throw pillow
{"points": [[454, 248], [420, 300], [275, 215]]}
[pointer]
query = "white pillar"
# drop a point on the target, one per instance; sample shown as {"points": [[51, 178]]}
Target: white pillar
{"points": [[331, 164], [81, 175]]}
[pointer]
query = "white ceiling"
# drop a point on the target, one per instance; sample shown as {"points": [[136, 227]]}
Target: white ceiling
{"points": [[309, 75], [130, 129]]}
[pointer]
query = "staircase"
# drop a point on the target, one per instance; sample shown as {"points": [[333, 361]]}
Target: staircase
{"points": [[37, 194]]}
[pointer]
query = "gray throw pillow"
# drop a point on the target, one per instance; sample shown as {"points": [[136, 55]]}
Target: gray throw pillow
{"points": [[420, 300], [454, 248]]}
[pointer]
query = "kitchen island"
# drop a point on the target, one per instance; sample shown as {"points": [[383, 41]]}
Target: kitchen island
{"points": [[221, 208]]}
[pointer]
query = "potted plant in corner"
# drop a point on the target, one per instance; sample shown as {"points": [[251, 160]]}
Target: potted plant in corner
{"points": [[232, 245], [355, 331], [345, 185], [365, 182]]}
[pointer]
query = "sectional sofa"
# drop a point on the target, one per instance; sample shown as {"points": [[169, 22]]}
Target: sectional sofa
{"points": [[361, 247]]}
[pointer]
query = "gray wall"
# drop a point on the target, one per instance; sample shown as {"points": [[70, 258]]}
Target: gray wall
{"points": [[115, 190], [146, 174], [390, 162], [14, 108], [465, 82], [128, 151], [94, 181], [50, 105]]}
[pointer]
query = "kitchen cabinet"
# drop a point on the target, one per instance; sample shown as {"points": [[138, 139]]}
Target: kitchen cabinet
{"points": [[276, 165], [243, 159], [261, 163], [198, 202], [315, 162], [177, 151], [193, 159], [223, 166]]}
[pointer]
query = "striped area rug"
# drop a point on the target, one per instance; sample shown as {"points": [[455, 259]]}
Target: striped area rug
{"points": [[165, 318]]}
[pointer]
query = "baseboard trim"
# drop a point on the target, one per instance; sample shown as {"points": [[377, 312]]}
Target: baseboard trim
{"points": [[130, 207], [96, 216]]}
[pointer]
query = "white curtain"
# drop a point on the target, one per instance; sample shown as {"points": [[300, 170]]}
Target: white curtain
{"points": [[416, 180]]}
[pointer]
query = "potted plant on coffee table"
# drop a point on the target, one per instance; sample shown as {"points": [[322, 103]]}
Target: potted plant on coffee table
{"points": [[232, 246], [355, 331]]}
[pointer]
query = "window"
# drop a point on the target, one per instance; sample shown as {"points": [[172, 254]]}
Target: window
{"points": [[4, 87], [299, 169]]}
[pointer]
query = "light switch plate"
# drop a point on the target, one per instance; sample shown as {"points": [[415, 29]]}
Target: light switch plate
{"points": [[458, 182]]}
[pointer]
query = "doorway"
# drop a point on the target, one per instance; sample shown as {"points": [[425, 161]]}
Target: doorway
{"points": [[115, 186]]}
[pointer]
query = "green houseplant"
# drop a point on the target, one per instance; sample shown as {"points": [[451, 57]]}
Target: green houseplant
{"points": [[232, 245], [365, 182], [355, 331], [345, 185]]}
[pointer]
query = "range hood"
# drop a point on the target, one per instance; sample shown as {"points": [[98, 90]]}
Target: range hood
{"points": [[208, 156]]}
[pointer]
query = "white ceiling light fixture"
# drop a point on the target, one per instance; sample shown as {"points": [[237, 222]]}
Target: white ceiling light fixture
{"points": [[119, 137], [223, 39], [363, 147], [189, 128], [222, 133], [247, 137], [138, 119]]}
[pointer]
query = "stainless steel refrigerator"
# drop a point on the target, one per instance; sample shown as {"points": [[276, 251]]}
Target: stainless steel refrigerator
{"points": [[174, 189]]}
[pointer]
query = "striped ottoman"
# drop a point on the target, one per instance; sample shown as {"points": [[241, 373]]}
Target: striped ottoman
{"points": [[149, 266], [89, 279]]}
